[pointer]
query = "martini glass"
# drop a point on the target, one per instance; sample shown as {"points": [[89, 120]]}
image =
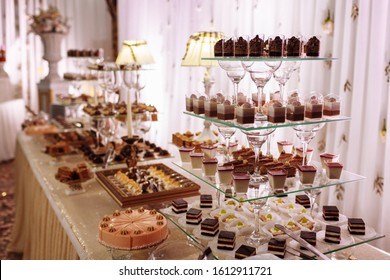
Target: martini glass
{"points": [[235, 72], [227, 132], [256, 135], [260, 72], [283, 74], [305, 134]]}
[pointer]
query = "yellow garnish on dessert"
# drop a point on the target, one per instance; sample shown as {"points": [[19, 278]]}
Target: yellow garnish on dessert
{"points": [[304, 220], [291, 206], [269, 217], [291, 224], [231, 202], [223, 211], [303, 210], [240, 224], [280, 201]]}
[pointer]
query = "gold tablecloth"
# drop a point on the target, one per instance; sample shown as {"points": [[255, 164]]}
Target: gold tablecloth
{"points": [[52, 225]]}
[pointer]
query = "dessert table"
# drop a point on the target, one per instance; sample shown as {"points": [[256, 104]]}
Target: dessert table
{"points": [[52, 225]]}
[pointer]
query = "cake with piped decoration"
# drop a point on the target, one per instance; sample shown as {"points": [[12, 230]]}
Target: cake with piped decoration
{"points": [[133, 229]]}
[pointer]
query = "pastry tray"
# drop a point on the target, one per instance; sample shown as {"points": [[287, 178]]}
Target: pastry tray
{"points": [[104, 177]]}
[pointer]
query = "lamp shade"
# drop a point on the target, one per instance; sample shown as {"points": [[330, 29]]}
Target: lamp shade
{"points": [[201, 45], [134, 52]]}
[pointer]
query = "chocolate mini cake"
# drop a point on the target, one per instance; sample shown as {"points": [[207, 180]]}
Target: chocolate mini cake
{"points": [[303, 200], [333, 234], [309, 236], [275, 46], [276, 112], [313, 108], [218, 48], [228, 48], [206, 201], [193, 216], [241, 47], [312, 47], [225, 111], [245, 113], [244, 251], [295, 111], [330, 213], [256, 46], [226, 240], [277, 247], [331, 106], [190, 102], [179, 206], [210, 108], [199, 105], [356, 226], [209, 227], [293, 46]]}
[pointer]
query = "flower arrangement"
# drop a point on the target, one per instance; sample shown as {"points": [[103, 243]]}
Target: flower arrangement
{"points": [[49, 21]]}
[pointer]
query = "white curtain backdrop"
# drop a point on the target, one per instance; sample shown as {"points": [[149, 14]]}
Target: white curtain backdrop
{"points": [[90, 28], [360, 41]]}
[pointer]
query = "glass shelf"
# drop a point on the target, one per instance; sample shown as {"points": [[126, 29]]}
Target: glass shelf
{"points": [[251, 127], [294, 186], [294, 58]]}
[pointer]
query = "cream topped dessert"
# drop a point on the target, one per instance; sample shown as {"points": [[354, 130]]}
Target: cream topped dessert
{"points": [[331, 105], [199, 105], [209, 150], [210, 107], [276, 112], [190, 103]]}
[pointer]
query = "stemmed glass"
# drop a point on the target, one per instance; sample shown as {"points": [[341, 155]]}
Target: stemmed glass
{"points": [[143, 122], [256, 139], [113, 82], [235, 72], [227, 132], [100, 123], [261, 73], [305, 134], [312, 193], [259, 189], [283, 74]]}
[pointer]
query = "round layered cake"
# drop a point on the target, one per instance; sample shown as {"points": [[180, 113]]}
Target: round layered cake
{"points": [[132, 229]]}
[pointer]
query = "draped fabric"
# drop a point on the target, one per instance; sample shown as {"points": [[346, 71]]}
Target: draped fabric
{"points": [[360, 76], [90, 28]]}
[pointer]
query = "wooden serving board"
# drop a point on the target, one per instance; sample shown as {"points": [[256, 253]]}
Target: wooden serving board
{"points": [[118, 193]]}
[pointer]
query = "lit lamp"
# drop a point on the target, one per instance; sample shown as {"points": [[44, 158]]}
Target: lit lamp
{"points": [[132, 57], [201, 45]]}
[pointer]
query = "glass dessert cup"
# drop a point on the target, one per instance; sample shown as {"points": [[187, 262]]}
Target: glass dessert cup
{"points": [[260, 73], [227, 132], [258, 188], [235, 72], [283, 74], [305, 134], [113, 82]]}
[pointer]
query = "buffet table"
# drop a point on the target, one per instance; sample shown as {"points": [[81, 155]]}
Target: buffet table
{"points": [[52, 225]]}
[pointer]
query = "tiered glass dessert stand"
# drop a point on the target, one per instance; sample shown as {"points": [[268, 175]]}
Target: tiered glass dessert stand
{"points": [[307, 127]]}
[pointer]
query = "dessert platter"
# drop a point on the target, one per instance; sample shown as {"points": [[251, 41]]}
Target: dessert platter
{"points": [[145, 184]]}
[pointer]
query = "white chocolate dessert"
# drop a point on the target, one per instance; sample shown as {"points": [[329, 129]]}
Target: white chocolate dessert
{"points": [[241, 182], [133, 229], [277, 178], [333, 170], [185, 154], [285, 146], [328, 157], [225, 174], [307, 174], [209, 166], [196, 160], [313, 108]]}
